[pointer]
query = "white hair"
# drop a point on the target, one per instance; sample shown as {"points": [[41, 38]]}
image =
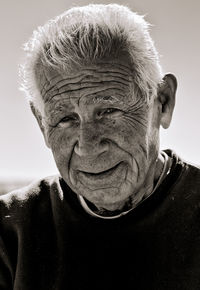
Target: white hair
{"points": [[86, 34]]}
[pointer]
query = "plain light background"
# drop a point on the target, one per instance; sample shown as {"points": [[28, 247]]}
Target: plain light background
{"points": [[176, 34]]}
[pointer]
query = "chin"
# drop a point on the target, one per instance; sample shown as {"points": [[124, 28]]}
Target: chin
{"points": [[110, 198]]}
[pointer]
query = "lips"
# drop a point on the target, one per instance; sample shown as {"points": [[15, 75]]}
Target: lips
{"points": [[101, 173], [106, 178]]}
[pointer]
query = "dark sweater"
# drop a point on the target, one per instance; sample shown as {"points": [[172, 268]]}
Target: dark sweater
{"points": [[49, 242]]}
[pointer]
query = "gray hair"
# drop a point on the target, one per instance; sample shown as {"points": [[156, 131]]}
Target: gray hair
{"points": [[86, 34]]}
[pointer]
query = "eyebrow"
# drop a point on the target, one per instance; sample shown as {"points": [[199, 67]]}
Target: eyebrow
{"points": [[105, 99]]}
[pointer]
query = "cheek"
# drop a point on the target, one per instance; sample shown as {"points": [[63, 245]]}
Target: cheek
{"points": [[153, 132], [132, 137], [62, 145], [128, 134]]}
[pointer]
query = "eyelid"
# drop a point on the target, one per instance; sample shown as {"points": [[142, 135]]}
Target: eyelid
{"points": [[71, 116], [109, 111], [68, 119]]}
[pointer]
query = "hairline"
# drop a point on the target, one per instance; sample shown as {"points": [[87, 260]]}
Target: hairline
{"points": [[37, 99]]}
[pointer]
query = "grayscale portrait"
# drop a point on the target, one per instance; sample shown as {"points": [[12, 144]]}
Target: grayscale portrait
{"points": [[121, 211]]}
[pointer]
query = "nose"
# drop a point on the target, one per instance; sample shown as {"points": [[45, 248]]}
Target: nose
{"points": [[91, 141]]}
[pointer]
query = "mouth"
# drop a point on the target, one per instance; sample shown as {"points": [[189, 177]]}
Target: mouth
{"points": [[107, 178], [101, 173]]}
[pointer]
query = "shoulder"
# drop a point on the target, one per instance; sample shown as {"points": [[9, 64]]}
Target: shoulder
{"points": [[186, 172], [183, 183], [19, 203], [184, 187], [190, 177]]}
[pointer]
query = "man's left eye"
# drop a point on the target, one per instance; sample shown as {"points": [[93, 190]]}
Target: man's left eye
{"points": [[109, 111]]}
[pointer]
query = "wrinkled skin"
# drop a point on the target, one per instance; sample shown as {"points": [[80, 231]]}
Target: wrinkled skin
{"points": [[104, 138]]}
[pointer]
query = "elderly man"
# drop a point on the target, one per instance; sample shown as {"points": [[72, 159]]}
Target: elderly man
{"points": [[121, 214]]}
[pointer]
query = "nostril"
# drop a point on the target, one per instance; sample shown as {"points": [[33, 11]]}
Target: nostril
{"points": [[77, 149], [104, 145], [104, 142]]}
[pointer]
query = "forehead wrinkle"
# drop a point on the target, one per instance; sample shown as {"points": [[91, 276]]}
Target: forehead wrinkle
{"points": [[89, 85], [83, 79], [50, 76], [48, 81], [86, 78], [115, 85], [81, 74], [82, 86], [57, 83]]}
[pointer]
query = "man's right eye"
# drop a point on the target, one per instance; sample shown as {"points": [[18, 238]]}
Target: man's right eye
{"points": [[68, 121]]}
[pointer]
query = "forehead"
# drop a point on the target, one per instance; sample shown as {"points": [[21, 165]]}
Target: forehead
{"points": [[105, 81]]}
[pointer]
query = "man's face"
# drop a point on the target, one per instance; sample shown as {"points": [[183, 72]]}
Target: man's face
{"points": [[104, 137]]}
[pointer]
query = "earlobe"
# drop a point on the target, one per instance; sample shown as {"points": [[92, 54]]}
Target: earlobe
{"points": [[166, 96], [38, 117]]}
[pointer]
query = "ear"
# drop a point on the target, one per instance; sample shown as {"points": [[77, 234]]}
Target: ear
{"points": [[166, 97], [38, 117]]}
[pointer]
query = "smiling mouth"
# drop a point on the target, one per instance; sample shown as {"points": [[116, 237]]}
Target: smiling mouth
{"points": [[101, 173], [108, 178]]}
